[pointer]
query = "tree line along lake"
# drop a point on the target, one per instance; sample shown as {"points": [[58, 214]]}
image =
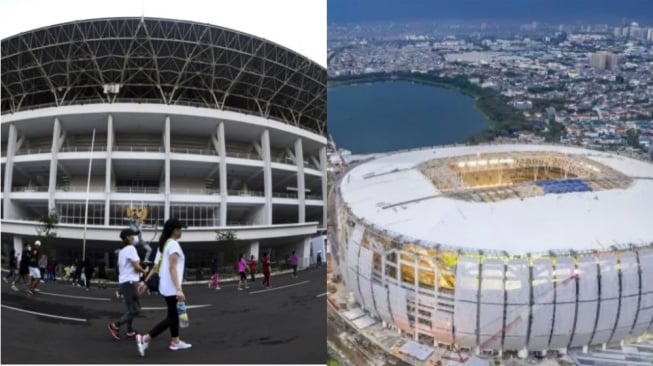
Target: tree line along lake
{"points": [[392, 115]]}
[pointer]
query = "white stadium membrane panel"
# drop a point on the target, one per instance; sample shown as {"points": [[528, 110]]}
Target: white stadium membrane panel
{"points": [[629, 295], [366, 291], [364, 279], [398, 306], [609, 298], [565, 309], [465, 301], [353, 250], [492, 302], [588, 294], [517, 304], [442, 322], [381, 301], [542, 310], [646, 303]]}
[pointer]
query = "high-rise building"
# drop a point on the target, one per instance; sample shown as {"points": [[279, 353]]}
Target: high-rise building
{"points": [[604, 60]]}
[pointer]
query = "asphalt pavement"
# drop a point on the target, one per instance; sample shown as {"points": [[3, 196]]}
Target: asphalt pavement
{"points": [[285, 324]]}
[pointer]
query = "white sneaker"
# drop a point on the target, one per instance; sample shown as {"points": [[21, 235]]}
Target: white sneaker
{"points": [[240, 289], [180, 345], [141, 344], [13, 287], [217, 288]]}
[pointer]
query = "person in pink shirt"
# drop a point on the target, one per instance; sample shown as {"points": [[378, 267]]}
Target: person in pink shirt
{"points": [[242, 270], [293, 263], [265, 263]]}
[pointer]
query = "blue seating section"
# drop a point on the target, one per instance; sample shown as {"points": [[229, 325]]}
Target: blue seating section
{"points": [[563, 186]]}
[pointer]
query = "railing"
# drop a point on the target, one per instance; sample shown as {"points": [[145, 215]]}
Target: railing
{"points": [[242, 155], [137, 190], [284, 195], [29, 189], [313, 197], [82, 148], [198, 191], [233, 192], [40, 150], [137, 148], [78, 189], [184, 150], [159, 101]]}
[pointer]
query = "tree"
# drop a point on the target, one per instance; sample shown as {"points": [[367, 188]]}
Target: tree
{"points": [[632, 138], [228, 242], [46, 230]]}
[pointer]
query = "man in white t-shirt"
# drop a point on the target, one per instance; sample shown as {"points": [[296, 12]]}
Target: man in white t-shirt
{"points": [[129, 268]]}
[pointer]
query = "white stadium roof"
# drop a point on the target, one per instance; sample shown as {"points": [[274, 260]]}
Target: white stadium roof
{"points": [[576, 221]]}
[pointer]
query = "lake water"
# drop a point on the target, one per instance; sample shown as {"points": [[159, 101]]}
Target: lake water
{"points": [[387, 116]]}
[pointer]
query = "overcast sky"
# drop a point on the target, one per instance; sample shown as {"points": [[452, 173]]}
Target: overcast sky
{"points": [[297, 24]]}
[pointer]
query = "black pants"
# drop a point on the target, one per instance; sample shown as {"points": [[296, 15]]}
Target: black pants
{"points": [[88, 276], [253, 278], [294, 270], [132, 302], [171, 321]]}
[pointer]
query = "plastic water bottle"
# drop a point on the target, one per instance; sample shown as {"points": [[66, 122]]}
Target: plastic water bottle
{"points": [[183, 315]]}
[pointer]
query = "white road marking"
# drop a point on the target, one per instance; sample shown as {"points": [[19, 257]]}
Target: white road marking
{"points": [[44, 314], [278, 288], [75, 297], [320, 295], [187, 307]]}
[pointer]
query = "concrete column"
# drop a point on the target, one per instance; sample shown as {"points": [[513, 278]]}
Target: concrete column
{"points": [[166, 143], [9, 172], [18, 245], [304, 253], [267, 177], [323, 168], [301, 184], [253, 250], [57, 139], [222, 151], [107, 173]]}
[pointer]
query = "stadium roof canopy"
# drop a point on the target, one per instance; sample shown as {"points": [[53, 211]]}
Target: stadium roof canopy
{"points": [[149, 60], [392, 195]]}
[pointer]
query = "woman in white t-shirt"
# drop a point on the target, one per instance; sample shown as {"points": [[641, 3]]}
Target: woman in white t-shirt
{"points": [[170, 259]]}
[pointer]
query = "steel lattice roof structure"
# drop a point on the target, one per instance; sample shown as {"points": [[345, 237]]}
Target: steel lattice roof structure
{"points": [[150, 60]]}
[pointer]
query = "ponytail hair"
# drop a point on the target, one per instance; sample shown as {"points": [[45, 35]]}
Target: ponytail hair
{"points": [[165, 235]]}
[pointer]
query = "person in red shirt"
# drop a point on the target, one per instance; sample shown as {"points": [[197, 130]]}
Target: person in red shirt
{"points": [[265, 263], [252, 267]]}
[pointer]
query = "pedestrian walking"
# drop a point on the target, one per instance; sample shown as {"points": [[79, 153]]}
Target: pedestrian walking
{"points": [[252, 267], [23, 267], [215, 276], [242, 269], [265, 264], [170, 262], [293, 263], [102, 274], [76, 272], [49, 271], [130, 268], [34, 271], [89, 269], [319, 258], [13, 265], [43, 263]]}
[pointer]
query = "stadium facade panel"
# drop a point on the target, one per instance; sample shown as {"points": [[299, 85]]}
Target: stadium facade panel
{"points": [[538, 296], [162, 118]]}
